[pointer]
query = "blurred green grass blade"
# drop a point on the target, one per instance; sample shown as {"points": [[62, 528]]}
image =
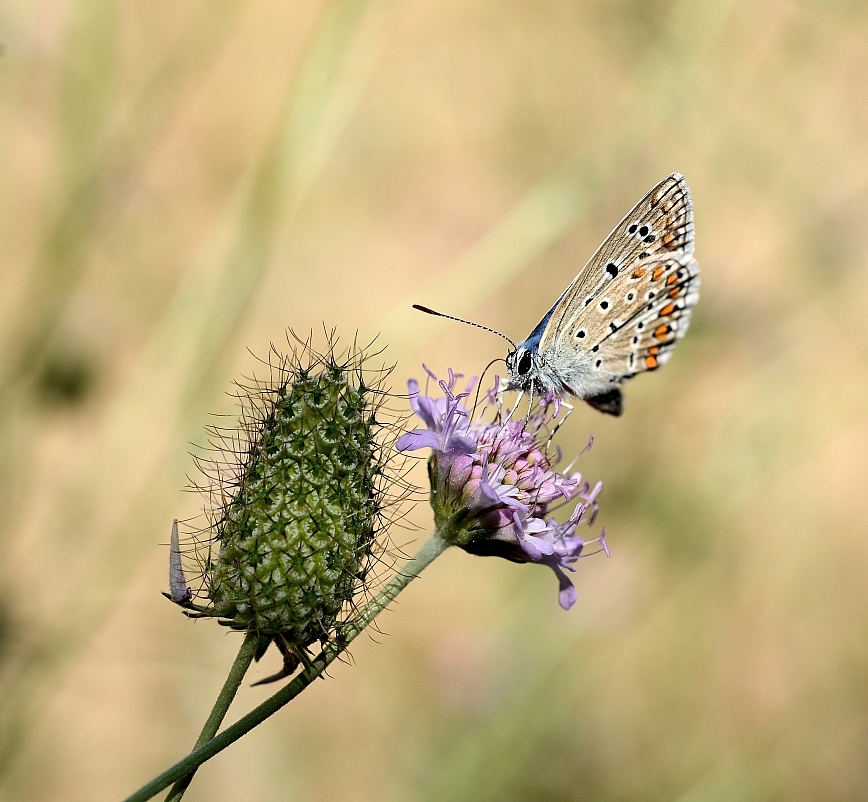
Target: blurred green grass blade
{"points": [[85, 95], [324, 96], [84, 110], [325, 91], [734, 782]]}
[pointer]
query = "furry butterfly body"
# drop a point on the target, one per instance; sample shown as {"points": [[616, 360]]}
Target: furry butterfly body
{"points": [[623, 313]]}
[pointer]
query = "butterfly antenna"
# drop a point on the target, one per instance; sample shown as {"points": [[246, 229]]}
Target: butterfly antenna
{"points": [[428, 311]]}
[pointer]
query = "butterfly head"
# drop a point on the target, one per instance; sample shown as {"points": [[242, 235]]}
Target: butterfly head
{"points": [[522, 366]]}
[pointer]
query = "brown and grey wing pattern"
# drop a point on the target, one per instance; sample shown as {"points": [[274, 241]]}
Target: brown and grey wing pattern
{"points": [[669, 289], [627, 308], [610, 288]]}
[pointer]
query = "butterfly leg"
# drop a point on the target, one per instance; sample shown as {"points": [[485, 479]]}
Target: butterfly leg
{"points": [[569, 408], [529, 409], [498, 397], [512, 411]]}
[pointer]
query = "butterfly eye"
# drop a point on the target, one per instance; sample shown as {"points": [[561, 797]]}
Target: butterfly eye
{"points": [[525, 363]]}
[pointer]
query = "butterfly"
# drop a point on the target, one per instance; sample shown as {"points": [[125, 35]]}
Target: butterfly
{"points": [[623, 313]]}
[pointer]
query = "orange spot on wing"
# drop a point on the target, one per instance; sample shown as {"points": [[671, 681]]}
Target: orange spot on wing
{"points": [[639, 273], [668, 239], [658, 272], [653, 350], [661, 331], [667, 310], [650, 362], [672, 279], [674, 292]]}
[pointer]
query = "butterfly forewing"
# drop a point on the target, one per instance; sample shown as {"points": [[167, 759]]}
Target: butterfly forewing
{"points": [[632, 301], [662, 222]]}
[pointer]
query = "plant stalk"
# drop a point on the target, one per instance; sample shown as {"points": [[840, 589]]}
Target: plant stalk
{"points": [[221, 706], [432, 549]]}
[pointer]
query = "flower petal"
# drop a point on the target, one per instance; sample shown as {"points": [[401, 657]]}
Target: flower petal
{"points": [[567, 594], [427, 410], [488, 491], [459, 444], [570, 548], [528, 545], [418, 438], [535, 547]]}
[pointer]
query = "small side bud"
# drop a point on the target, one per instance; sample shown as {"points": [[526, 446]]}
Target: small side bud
{"points": [[180, 592]]}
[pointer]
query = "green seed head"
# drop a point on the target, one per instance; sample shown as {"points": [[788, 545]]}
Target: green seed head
{"points": [[296, 519]]}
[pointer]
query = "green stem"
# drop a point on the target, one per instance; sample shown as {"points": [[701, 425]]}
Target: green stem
{"points": [[227, 693], [432, 549]]}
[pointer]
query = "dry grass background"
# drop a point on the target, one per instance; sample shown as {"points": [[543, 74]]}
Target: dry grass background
{"points": [[182, 182]]}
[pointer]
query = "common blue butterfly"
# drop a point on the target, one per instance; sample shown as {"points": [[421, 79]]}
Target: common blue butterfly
{"points": [[622, 314]]}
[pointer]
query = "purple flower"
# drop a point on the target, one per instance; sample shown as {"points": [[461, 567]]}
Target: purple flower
{"points": [[492, 484]]}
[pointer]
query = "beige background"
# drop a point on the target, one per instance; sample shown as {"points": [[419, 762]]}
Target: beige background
{"points": [[182, 181]]}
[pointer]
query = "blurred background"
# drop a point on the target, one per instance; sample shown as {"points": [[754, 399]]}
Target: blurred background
{"points": [[181, 182]]}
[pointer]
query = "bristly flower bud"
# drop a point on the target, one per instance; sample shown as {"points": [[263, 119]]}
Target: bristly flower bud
{"points": [[299, 497], [493, 484]]}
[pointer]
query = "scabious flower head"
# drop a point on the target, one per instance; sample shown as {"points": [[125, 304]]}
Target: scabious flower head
{"points": [[298, 496], [493, 486]]}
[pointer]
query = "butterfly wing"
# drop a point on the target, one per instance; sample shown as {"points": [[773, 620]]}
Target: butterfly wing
{"points": [[625, 310]]}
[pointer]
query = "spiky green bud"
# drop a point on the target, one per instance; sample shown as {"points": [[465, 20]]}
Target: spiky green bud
{"points": [[296, 523], [297, 533]]}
